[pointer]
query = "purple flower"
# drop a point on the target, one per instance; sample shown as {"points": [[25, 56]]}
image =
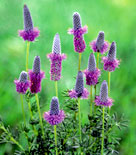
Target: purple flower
{"points": [[78, 32], [92, 73], [22, 84], [110, 62], [103, 99], [54, 116], [99, 45], [56, 59], [79, 90], [36, 76], [29, 33]]}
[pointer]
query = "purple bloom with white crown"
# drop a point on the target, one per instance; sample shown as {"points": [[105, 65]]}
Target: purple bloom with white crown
{"points": [[79, 90], [110, 62], [36, 76], [78, 32], [103, 99], [29, 33], [99, 45], [56, 59], [55, 115], [92, 73], [22, 84]]}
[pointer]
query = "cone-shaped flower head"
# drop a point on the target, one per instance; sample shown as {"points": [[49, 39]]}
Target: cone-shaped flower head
{"points": [[99, 45], [56, 47], [36, 65], [92, 73], [79, 87], [28, 24], [56, 59], [36, 75], [78, 31], [22, 84], [104, 92], [110, 62], [54, 116], [76, 21], [100, 40], [23, 76], [79, 90], [91, 63], [112, 51], [29, 33], [54, 107], [103, 99]]}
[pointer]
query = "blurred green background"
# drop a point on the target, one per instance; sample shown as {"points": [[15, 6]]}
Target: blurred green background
{"points": [[117, 18]]}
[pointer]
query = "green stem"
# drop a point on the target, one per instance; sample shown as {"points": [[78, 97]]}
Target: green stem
{"points": [[27, 55], [55, 136], [102, 146], [21, 97], [38, 107], [56, 88], [97, 60], [91, 100], [79, 116], [79, 62], [109, 75]]}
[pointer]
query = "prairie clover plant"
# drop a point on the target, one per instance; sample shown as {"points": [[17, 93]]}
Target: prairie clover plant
{"points": [[56, 132]]}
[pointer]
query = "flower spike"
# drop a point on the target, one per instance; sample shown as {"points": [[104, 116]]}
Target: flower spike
{"points": [[92, 73], [99, 45], [22, 84], [79, 90], [29, 33], [78, 32], [36, 76], [54, 116], [103, 99], [110, 62], [56, 58]]}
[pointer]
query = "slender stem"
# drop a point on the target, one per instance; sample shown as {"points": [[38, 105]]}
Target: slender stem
{"points": [[91, 99], [56, 88], [38, 106], [23, 111], [102, 146], [79, 61], [109, 83], [27, 55], [79, 116], [109, 75], [55, 136], [97, 60]]}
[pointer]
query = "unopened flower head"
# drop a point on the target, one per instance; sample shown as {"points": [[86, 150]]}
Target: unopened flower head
{"points": [[112, 51], [36, 65], [78, 31], [79, 90], [29, 33], [22, 84], [54, 116], [36, 76], [99, 45], [56, 59], [110, 62], [76, 21], [92, 73], [56, 47], [103, 99]]}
